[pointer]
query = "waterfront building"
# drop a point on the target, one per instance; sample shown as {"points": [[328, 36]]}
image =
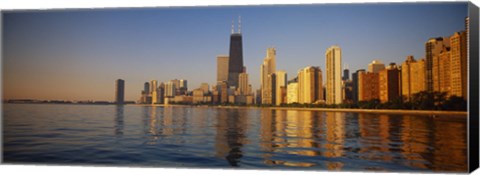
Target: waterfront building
{"points": [[310, 85], [161, 93], [333, 57], [170, 89], [356, 84], [390, 83], [198, 96], [280, 87], [458, 62], [443, 80], [433, 48], [222, 68], [222, 87], [120, 91], [267, 71], [376, 66], [347, 91], [292, 91], [235, 61], [368, 88], [243, 84], [153, 91], [146, 88], [413, 77]]}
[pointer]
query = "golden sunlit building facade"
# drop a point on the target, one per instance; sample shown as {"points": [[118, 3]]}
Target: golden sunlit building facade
{"points": [[333, 57], [390, 83], [310, 85]]}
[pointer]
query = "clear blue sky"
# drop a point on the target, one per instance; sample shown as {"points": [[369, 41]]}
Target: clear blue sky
{"points": [[78, 54]]}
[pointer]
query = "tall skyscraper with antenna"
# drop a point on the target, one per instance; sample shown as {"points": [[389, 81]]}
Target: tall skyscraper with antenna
{"points": [[235, 62]]}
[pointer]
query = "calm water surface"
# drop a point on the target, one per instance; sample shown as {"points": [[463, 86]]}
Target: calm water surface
{"points": [[245, 138]]}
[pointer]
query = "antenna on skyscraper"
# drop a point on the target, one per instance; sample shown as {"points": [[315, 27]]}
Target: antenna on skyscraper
{"points": [[239, 24], [232, 27]]}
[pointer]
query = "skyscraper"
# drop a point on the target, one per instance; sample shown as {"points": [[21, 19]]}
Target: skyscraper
{"points": [[390, 83], [433, 47], [222, 68], [292, 91], [346, 73], [235, 61], [267, 69], [154, 92], [356, 84], [120, 91], [459, 64], [170, 89], [333, 57], [310, 85], [243, 84], [280, 87]]}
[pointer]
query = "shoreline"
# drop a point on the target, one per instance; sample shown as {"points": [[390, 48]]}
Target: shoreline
{"points": [[378, 111]]}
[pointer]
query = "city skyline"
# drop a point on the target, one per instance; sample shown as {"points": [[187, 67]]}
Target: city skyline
{"points": [[74, 64]]}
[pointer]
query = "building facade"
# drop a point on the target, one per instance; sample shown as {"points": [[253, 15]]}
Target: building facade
{"points": [[310, 85], [120, 91], [333, 57], [390, 83], [267, 71], [235, 61], [281, 87]]}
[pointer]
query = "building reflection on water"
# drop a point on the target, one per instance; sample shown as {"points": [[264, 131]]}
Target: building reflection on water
{"points": [[310, 138], [231, 135], [119, 123]]}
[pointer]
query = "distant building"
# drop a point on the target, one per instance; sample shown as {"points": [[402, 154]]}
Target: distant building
{"points": [[235, 61], [222, 68], [205, 87], [267, 81], [243, 85], [120, 91], [310, 85], [413, 77], [346, 74], [280, 87], [292, 91], [347, 91], [368, 88], [459, 66], [182, 89], [376, 66], [333, 57], [154, 92], [170, 89], [390, 83], [356, 84], [433, 48], [222, 87]]}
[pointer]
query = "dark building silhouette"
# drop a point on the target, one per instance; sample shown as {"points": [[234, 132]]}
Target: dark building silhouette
{"points": [[346, 73], [120, 91], [355, 84], [235, 62]]}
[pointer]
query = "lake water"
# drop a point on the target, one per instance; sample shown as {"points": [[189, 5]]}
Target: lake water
{"points": [[223, 138]]}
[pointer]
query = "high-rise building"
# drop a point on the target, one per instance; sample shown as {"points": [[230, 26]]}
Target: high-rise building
{"points": [[280, 87], [368, 88], [413, 77], [390, 83], [458, 62], [154, 92], [292, 91], [356, 84], [170, 89], [376, 66], [267, 69], [346, 73], [433, 47], [333, 57], [310, 85], [222, 87], [120, 91], [222, 68], [235, 61], [146, 88], [243, 85], [443, 81]]}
